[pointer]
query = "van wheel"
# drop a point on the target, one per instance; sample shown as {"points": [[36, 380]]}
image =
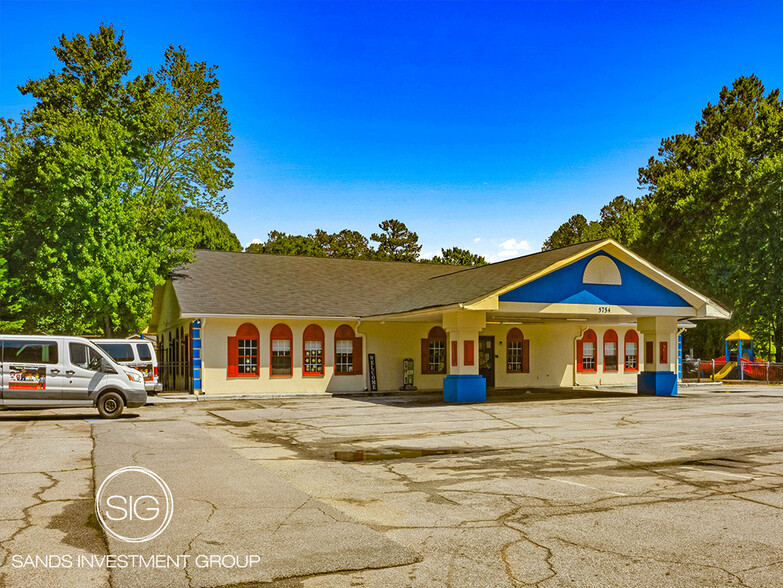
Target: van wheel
{"points": [[110, 405]]}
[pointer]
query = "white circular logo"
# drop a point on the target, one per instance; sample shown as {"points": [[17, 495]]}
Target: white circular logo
{"points": [[134, 504]]}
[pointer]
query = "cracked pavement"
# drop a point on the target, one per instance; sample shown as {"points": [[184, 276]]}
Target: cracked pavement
{"points": [[595, 488]]}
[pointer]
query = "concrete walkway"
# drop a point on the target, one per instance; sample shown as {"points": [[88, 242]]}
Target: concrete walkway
{"points": [[225, 504]]}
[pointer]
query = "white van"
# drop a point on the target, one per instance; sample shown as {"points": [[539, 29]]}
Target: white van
{"points": [[136, 353], [38, 371]]}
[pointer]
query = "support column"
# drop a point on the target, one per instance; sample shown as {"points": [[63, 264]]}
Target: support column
{"points": [[660, 347], [464, 384]]}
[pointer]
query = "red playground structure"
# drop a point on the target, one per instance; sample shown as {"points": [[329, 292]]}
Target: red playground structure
{"points": [[726, 367]]}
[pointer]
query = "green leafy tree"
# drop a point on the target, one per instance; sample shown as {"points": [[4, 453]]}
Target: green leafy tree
{"points": [[279, 243], [457, 256], [200, 229], [345, 244], [396, 242], [714, 212], [619, 220], [94, 177]]}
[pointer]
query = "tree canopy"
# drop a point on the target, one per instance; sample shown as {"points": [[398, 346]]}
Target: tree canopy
{"points": [[395, 243], [94, 178], [712, 212]]}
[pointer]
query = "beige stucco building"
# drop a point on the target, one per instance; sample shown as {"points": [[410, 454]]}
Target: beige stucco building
{"points": [[585, 315]]}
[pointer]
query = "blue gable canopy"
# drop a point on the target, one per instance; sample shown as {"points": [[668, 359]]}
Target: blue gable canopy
{"points": [[565, 286]]}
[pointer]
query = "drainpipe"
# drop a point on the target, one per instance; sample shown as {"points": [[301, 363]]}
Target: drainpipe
{"points": [[573, 349], [365, 365]]}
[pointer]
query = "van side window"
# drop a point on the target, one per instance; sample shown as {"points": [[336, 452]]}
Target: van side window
{"points": [[118, 351], [145, 353], [30, 351], [84, 357]]}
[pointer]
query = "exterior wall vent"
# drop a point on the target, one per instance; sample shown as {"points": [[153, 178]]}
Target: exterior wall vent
{"points": [[602, 270]]}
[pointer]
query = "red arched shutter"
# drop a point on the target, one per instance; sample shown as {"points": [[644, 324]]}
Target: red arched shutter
{"points": [[454, 357], [525, 356], [233, 357], [579, 355], [470, 352]]}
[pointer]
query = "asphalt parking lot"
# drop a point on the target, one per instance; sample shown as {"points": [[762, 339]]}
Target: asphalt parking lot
{"points": [[593, 488]]}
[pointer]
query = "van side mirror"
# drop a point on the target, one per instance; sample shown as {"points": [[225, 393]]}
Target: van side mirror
{"points": [[107, 368]]}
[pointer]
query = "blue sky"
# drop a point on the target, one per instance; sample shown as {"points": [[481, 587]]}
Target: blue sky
{"points": [[483, 125]]}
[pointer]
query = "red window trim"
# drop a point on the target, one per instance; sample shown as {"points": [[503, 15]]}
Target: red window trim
{"points": [[281, 332], [649, 352], [589, 336], [244, 331], [314, 333], [608, 339], [454, 358], [631, 336]]}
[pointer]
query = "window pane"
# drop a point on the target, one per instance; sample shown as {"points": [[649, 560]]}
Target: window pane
{"points": [[588, 349], [344, 356], [30, 351], [84, 357], [314, 357], [437, 360], [118, 351], [145, 351], [247, 356], [515, 356], [281, 357]]}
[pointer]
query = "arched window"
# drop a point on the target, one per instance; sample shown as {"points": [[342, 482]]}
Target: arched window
{"points": [[281, 343], [517, 352], [433, 352], [631, 351], [347, 352], [586, 352], [313, 351], [243, 352], [610, 351]]}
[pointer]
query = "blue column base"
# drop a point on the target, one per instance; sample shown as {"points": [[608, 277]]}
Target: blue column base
{"points": [[464, 388], [657, 383]]}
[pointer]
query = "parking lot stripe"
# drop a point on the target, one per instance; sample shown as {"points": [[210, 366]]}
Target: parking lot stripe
{"points": [[718, 472], [584, 486]]}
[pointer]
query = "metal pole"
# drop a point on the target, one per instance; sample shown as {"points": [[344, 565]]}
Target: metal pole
{"points": [[767, 372], [713, 369], [698, 370]]}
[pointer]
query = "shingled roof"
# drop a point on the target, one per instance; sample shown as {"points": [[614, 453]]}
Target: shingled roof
{"points": [[247, 284]]}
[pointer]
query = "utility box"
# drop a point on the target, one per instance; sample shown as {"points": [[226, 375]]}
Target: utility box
{"points": [[407, 374]]}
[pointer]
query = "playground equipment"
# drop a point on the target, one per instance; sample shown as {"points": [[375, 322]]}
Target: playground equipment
{"points": [[726, 365]]}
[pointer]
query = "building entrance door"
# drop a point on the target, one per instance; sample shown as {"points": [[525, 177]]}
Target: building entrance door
{"points": [[486, 359]]}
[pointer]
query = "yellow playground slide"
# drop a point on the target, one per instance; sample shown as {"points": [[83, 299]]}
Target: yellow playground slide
{"points": [[725, 371]]}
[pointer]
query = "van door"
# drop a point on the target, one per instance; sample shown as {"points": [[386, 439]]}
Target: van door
{"points": [[32, 371], [82, 374]]}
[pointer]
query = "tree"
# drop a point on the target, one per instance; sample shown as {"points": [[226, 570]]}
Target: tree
{"points": [[280, 243], [714, 210], [94, 177], [345, 244], [619, 220], [396, 242], [200, 229], [575, 230], [457, 256]]}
